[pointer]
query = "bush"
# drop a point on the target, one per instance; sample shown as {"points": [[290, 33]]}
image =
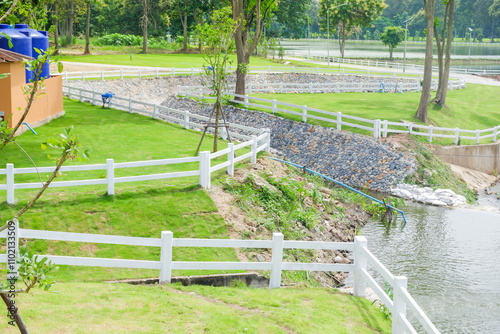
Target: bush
{"points": [[119, 40]]}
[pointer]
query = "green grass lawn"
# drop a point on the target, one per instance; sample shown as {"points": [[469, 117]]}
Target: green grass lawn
{"points": [[138, 209], [475, 107], [120, 308], [158, 60]]}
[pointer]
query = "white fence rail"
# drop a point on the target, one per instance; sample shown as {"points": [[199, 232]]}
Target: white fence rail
{"points": [[379, 128], [363, 259], [180, 117], [157, 72], [204, 170], [396, 65]]}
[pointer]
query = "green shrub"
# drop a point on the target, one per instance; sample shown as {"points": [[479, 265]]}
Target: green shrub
{"points": [[119, 40]]}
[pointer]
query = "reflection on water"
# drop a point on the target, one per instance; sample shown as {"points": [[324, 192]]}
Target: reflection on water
{"points": [[357, 49], [452, 261]]}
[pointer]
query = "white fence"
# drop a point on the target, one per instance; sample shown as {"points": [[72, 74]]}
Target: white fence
{"points": [[363, 260], [379, 128], [172, 71], [396, 65], [204, 170], [332, 87]]}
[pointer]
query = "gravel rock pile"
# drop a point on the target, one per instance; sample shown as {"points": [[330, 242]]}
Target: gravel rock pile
{"points": [[356, 160]]}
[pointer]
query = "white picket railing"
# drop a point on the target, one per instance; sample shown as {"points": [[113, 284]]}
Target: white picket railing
{"points": [[395, 65], [204, 170], [379, 128], [172, 71], [363, 260], [180, 117]]}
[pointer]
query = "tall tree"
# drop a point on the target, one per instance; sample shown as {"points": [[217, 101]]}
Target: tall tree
{"points": [[348, 15], [426, 84], [392, 36], [443, 44], [184, 8], [249, 15]]}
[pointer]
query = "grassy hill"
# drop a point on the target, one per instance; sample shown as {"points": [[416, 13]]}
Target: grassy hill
{"points": [[82, 303]]}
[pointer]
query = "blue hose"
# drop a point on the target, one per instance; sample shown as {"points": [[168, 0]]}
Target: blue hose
{"points": [[343, 185], [29, 127]]}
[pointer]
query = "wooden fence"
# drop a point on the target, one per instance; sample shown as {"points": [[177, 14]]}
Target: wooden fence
{"points": [[364, 263]]}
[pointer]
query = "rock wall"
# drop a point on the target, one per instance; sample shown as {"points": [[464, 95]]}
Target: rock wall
{"points": [[356, 160]]}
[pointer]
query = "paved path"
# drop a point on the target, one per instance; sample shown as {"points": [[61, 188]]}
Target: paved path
{"points": [[475, 79]]}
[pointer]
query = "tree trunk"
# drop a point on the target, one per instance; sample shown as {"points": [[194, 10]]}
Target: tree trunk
{"points": [[390, 52], [426, 85], [442, 93], [343, 33], [243, 50], [144, 22], [17, 317], [87, 31], [439, 47], [69, 23], [56, 29], [184, 32]]}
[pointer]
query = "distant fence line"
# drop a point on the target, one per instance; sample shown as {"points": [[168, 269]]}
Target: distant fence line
{"points": [[364, 261], [393, 65], [335, 87], [379, 128], [172, 71]]}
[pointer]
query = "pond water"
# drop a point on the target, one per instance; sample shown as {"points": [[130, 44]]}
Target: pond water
{"points": [[452, 260], [372, 49]]}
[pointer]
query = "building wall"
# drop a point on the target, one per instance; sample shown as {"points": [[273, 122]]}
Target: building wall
{"points": [[46, 105], [483, 158]]}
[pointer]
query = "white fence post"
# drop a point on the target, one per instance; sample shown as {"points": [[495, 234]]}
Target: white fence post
{"points": [[130, 105], [173, 71], [186, 120], [155, 111], [274, 106], [205, 169], [385, 128], [110, 176], [268, 139], [430, 133], [10, 183], [457, 135], [276, 260], [102, 75], [156, 73], [230, 158], [477, 136], [83, 75], [339, 121], [140, 74], [304, 113], [167, 239], [192, 71], [399, 304], [495, 133], [253, 158], [360, 264], [310, 88], [121, 74], [246, 101], [376, 129]]}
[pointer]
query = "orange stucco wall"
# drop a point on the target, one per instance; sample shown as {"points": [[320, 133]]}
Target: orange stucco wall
{"points": [[11, 95]]}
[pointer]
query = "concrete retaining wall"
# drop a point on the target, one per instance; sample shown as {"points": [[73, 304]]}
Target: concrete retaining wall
{"points": [[483, 158]]}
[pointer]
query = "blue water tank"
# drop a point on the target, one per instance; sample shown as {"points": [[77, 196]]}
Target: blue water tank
{"points": [[39, 40], [21, 43]]}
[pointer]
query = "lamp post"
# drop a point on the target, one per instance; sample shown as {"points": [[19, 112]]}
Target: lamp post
{"points": [[328, 31], [406, 37]]}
